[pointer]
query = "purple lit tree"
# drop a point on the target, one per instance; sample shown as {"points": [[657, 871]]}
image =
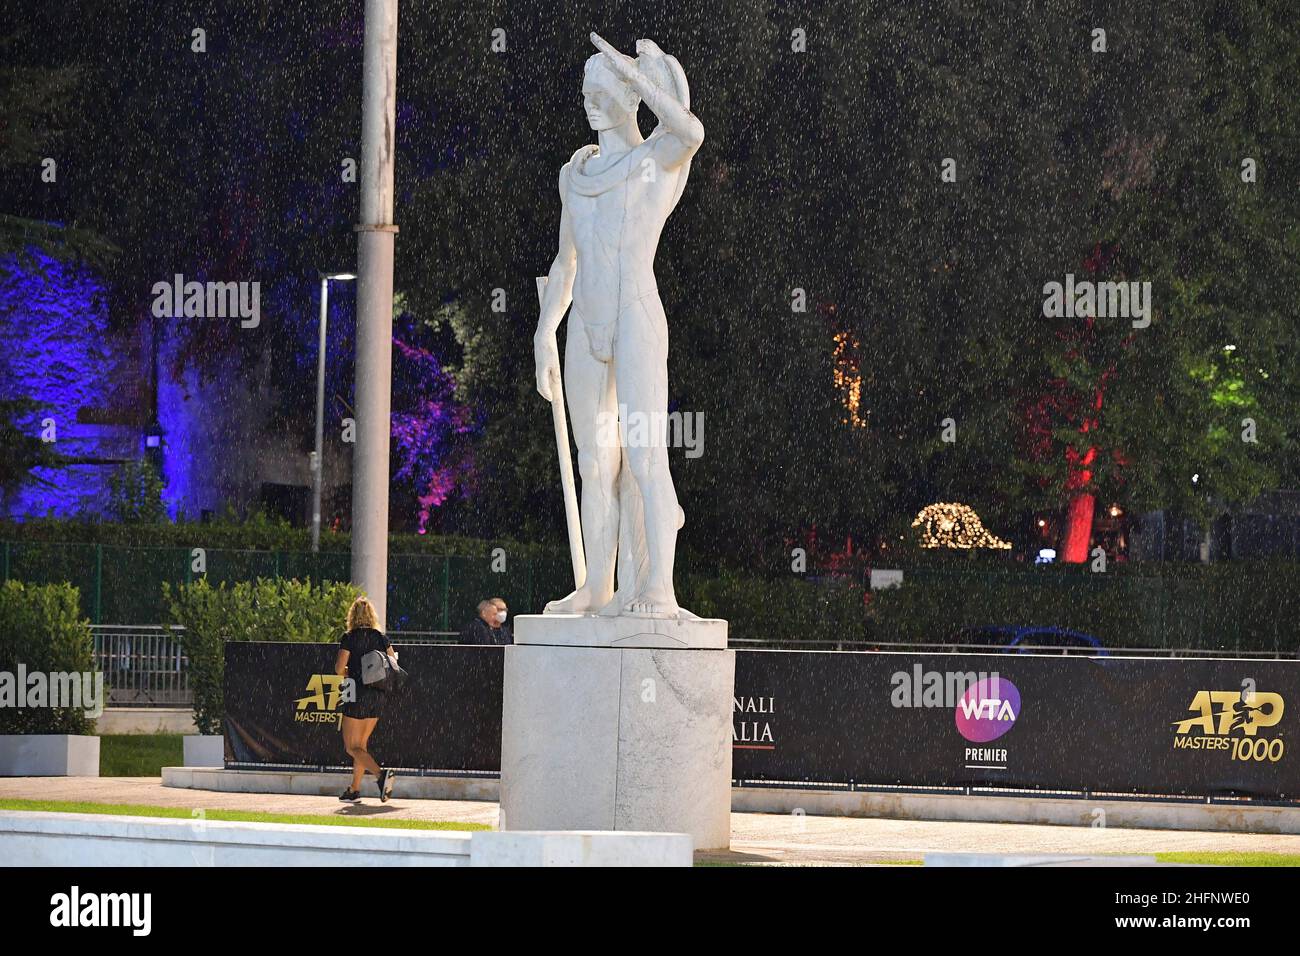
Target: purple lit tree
{"points": [[428, 429]]}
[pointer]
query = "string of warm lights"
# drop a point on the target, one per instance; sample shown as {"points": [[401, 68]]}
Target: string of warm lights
{"points": [[848, 379], [951, 524]]}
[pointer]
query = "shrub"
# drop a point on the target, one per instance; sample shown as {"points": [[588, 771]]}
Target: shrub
{"points": [[1228, 607], [41, 628], [135, 494], [260, 610], [784, 609]]}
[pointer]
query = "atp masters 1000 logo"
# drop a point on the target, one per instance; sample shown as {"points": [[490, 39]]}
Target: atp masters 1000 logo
{"points": [[1231, 720], [325, 693]]}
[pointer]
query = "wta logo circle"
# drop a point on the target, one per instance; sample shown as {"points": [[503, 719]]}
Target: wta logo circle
{"points": [[988, 709]]}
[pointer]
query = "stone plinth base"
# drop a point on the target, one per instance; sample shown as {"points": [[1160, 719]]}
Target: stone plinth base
{"points": [[585, 630], [617, 738]]}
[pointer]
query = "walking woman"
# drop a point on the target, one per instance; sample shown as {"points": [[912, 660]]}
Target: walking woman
{"points": [[360, 716]]}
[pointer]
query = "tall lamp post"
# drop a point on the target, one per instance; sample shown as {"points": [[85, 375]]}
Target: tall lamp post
{"points": [[376, 233], [318, 456]]}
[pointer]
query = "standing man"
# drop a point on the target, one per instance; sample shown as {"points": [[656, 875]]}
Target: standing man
{"points": [[489, 627]]}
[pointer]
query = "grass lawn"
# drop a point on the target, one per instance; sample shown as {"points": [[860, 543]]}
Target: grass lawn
{"points": [[240, 816], [1231, 859], [139, 755]]}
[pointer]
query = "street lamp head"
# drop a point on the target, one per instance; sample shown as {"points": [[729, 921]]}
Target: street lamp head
{"points": [[341, 276]]}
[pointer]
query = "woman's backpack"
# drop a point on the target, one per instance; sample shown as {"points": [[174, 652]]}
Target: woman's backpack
{"points": [[380, 671]]}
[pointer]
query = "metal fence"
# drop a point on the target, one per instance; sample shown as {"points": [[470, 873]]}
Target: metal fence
{"points": [[1039, 648], [425, 592], [144, 665], [1228, 608], [424, 637]]}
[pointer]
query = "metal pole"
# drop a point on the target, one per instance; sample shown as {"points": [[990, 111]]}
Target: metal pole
{"points": [[99, 582], [446, 593], [318, 459], [374, 357]]}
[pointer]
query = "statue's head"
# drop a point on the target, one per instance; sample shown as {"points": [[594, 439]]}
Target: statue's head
{"points": [[611, 102], [608, 100]]}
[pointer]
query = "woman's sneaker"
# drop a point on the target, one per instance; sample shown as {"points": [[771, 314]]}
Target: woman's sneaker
{"points": [[350, 796], [386, 778]]}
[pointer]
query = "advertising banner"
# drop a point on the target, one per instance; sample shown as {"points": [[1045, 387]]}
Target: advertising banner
{"points": [[1105, 724], [283, 708]]}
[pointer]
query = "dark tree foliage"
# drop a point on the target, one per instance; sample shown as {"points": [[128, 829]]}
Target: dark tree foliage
{"points": [[820, 177]]}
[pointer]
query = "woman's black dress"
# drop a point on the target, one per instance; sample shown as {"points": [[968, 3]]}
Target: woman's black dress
{"points": [[358, 643]]}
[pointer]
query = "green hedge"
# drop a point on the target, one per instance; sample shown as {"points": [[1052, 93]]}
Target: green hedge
{"points": [[41, 627], [257, 533], [783, 609], [1230, 606], [260, 610]]}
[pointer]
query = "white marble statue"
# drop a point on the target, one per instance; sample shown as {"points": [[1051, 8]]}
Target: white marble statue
{"points": [[616, 196]]}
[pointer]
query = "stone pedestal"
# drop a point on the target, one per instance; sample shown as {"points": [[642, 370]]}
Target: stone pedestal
{"points": [[618, 724]]}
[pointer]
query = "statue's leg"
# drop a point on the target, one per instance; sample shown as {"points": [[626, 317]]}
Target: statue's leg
{"points": [[631, 543], [641, 362], [589, 390]]}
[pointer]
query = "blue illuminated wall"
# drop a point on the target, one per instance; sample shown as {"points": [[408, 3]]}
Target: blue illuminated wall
{"points": [[218, 443], [216, 447], [57, 352]]}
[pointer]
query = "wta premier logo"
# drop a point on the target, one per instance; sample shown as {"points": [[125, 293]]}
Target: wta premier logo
{"points": [[988, 710]]}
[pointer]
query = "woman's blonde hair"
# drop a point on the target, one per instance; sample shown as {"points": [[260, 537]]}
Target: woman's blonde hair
{"points": [[362, 614]]}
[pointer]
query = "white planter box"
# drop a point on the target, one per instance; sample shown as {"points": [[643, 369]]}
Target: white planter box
{"points": [[205, 750], [48, 755]]}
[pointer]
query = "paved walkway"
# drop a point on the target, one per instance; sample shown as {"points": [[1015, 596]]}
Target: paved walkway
{"points": [[756, 837]]}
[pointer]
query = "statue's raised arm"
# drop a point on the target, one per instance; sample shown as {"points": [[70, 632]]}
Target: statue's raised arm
{"points": [[661, 83]]}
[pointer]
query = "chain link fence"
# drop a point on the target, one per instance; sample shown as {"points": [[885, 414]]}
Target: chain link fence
{"points": [[1228, 607], [432, 593]]}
